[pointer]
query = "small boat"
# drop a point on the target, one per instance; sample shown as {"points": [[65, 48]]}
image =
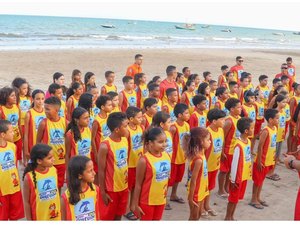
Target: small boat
{"points": [[296, 33], [186, 26], [107, 26], [205, 26], [279, 34], [226, 30]]}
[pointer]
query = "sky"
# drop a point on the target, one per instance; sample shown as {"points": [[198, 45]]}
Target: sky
{"points": [[282, 15]]}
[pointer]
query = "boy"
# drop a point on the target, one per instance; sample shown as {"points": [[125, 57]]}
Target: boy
{"points": [[150, 105], [250, 85], [128, 96], [186, 73], [231, 133], [178, 130], [207, 76], [285, 80], [222, 94], [51, 131], [263, 86], [109, 86], [167, 83], [11, 201], [198, 117], [115, 101], [244, 82], [56, 91], [216, 117], [240, 167], [233, 89], [276, 82], [135, 149], [222, 80], [154, 93], [172, 95], [113, 168], [213, 87], [264, 160]]}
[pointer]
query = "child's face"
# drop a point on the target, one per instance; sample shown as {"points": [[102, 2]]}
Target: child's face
{"points": [[9, 134], [260, 94], [230, 77], [173, 96], [60, 81], [166, 125], [79, 90], [159, 144], [245, 82], [192, 87], [24, 89], [264, 82], [206, 142], [111, 78], [185, 115], [234, 88], [108, 107], [88, 174], [236, 111], [137, 120], [84, 120], [220, 122], [297, 90], [282, 104], [225, 95], [155, 93], [181, 79], [208, 77], [58, 93], [39, 100], [123, 129], [285, 82], [51, 110], [250, 77], [152, 109], [129, 85], [48, 161], [92, 80], [276, 84], [158, 81], [144, 79], [202, 105], [95, 93], [251, 129], [213, 86], [207, 90], [12, 98], [197, 80], [225, 71], [115, 101], [251, 99], [77, 78], [275, 121]]}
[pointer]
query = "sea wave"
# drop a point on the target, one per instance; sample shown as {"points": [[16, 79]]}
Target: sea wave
{"points": [[11, 35]]}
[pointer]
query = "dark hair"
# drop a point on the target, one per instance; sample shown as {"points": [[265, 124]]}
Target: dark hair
{"points": [[276, 80], [243, 124], [206, 73], [220, 91], [262, 77], [17, 83], [153, 81], [151, 134], [288, 59], [179, 75], [76, 167], [193, 76], [228, 73], [138, 56], [71, 91], [279, 98], [115, 120], [284, 77], [4, 125], [295, 85], [169, 91], [112, 94], [56, 76], [231, 103], [197, 99], [86, 101], [184, 69], [107, 73], [232, 83], [276, 92], [215, 114], [132, 111], [148, 102], [137, 78], [34, 93], [126, 79], [270, 113], [192, 142], [244, 76], [5, 92], [152, 86], [224, 67], [160, 117], [187, 84], [53, 101], [202, 87], [170, 69], [248, 94], [180, 108], [38, 151], [87, 77], [211, 82], [238, 58], [75, 72], [53, 87], [101, 100], [76, 114]]}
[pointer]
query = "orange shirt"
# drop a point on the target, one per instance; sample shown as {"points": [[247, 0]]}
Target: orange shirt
{"points": [[164, 85], [133, 69]]}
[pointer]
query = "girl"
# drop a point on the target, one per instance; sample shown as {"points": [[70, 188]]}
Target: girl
{"points": [[95, 92], [32, 120], [80, 202], [259, 109], [195, 77], [141, 89], [23, 98], [204, 89], [156, 80], [89, 81], [188, 94], [78, 135], [152, 176], [278, 90], [180, 84], [222, 94], [41, 195], [195, 144], [59, 78], [73, 95], [76, 77], [10, 111], [86, 102]]}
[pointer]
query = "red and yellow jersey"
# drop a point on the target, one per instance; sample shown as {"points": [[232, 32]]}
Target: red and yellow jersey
{"points": [[292, 72], [250, 87], [221, 105], [223, 81], [148, 120], [269, 147], [179, 89], [232, 135], [116, 109], [44, 198], [189, 100], [208, 103], [12, 115], [54, 136], [109, 88], [241, 166], [159, 104], [129, 99], [198, 119], [201, 189], [213, 153], [266, 92], [35, 118], [296, 102], [24, 106], [170, 110], [116, 171], [74, 104], [287, 111], [83, 146], [259, 109], [281, 126], [178, 156], [234, 95], [213, 98], [242, 95], [135, 145], [63, 109], [103, 130], [155, 184], [87, 209], [169, 148], [163, 86], [237, 72], [142, 93], [10, 181], [249, 111]]}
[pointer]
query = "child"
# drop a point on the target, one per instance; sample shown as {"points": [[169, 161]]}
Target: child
{"points": [[128, 96], [231, 133], [80, 202], [150, 105], [286, 83], [264, 160], [112, 161], [276, 82], [56, 91], [172, 95], [10, 111], [154, 93], [115, 101], [135, 150], [195, 143], [222, 94], [279, 90], [259, 110], [186, 73], [294, 101], [178, 129], [59, 78], [40, 187], [11, 203], [198, 117], [73, 95], [250, 85], [142, 91], [180, 82], [216, 117], [32, 121], [95, 92], [155, 80], [207, 76], [78, 135], [195, 77], [213, 87], [204, 89], [153, 170], [86, 102], [188, 94], [263, 86], [244, 82], [109, 86], [240, 167], [89, 81], [233, 89], [222, 80], [51, 131]]}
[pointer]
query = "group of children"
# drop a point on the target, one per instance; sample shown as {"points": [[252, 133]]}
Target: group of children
{"points": [[119, 153]]}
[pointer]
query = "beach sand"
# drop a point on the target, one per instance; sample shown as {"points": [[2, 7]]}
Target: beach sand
{"points": [[38, 66]]}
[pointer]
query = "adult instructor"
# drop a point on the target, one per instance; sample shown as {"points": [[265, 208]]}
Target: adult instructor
{"points": [[136, 66]]}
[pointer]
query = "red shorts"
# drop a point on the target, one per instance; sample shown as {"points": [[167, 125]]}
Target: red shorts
{"points": [[212, 179], [94, 162], [61, 171], [177, 172], [236, 194], [11, 207], [297, 207], [287, 126], [19, 145], [257, 127], [131, 178], [225, 165], [258, 177], [152, 212], [115, 208]]}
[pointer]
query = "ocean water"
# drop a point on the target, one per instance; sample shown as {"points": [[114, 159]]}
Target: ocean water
{"points": [[43, 32]]}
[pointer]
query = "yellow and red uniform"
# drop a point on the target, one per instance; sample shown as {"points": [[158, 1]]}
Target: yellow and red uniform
{"points": [[221, 105], [148, 120], [170, 110], [189, 100], [234, 95], [24, 106], [107, 88], [208, 103], [74, 104], [63, 109], [260, 110], [169, 148], [180, 90], [142, 93], [281, 126], [133, 69], [287, 110], [292, 72], [223, 81], [129, 99], [249, 111], [198, 119], [213, 98], [159, 104], [266, 92], [103, 130], [237, 71], [163, 86]]}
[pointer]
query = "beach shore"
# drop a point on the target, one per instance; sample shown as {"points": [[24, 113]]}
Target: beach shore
{"points": [[38, 66]]}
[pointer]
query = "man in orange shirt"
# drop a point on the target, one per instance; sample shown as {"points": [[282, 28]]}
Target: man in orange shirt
{"points": [[167, 83], [136, 67], [238, 69]]}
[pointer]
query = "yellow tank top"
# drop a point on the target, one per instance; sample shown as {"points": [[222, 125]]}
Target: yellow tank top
{"points": [[110, 88], [10, 181], [144, 93], [222, 106], [189, 101], [260, 110], [171, 112], [12, 115], [266, 92], [182, 130], [208, 104], [136, 146], [213, 98], [75, 101], [180, 88], [159, 104], [104, 130], [287, 110], [169, 148], [36, 119], [131, 98], [281, 126], [236, 133], [24, 105], [63, 109], [116, 109], [201, 118], [217, 140], [83, 146], [235, 95], [247, 165], [251, 113]]}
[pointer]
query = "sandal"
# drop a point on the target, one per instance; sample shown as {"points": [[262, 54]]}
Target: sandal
{"points": [[212, 212], [168, 206], [222, 196], [131, 216], [204, 214], [274, 177], [256, 205], [178, 200], [264, 203]]}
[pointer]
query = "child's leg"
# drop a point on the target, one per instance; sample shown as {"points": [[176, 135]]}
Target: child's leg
{"points": [[230, 211], [252, 145], [174, 191], [221, 179], [254, 199], [289, 139], [195, 211], [234, 208]]}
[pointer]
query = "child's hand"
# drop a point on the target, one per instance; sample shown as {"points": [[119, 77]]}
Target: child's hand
{"points": [[140, 212], [223, 157], [192, 203], [106, 199], [287, 159], [260, 166]]}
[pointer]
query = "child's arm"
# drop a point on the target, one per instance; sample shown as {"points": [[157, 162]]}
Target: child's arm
{"points": [[270, 96], [220, 80], [63, 208], [26, 197], [69, 106], [102, 155], [94, 134], [217, 105], [193, 121], [143, 123], [226, 129], [239, 93], [120, 100], [40, 132], [26, 155], [262, 139], [68, 146], [195, 172], [292, 105], [103, 91], [172, 130]]}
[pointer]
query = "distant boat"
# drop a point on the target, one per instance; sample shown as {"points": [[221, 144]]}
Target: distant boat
{"points": [[205, 26], [186, 26], [134, 23], [226, 30], [279, 34], [296, 33], [108, 26]]}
